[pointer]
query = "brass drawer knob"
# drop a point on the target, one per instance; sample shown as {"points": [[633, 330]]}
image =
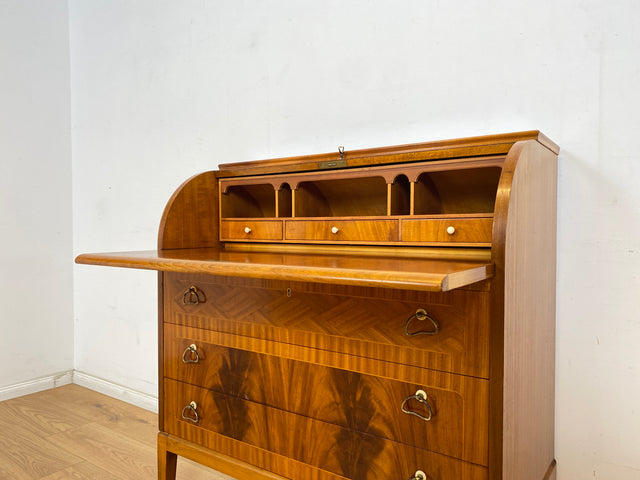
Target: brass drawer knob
{"points": [[192, 296], [420, 396], [421, 315], [190, 413], [191, 354], [419, 475]]}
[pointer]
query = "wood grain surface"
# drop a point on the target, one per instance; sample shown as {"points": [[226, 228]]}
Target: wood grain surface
{"points": [[462, 147], [71, 432], [368, 403], [344, 452], [523, 312], [345, 322], [402, 273]]}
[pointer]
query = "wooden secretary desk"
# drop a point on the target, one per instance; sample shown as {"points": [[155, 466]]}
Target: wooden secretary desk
{"points": [[385, 313]]}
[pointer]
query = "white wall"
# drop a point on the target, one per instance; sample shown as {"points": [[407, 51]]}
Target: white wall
{"points": [[162, 90], [36, 320]]}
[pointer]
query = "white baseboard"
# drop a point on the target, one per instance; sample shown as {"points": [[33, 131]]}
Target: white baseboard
{"points": [[139, 399], [37, 385]]}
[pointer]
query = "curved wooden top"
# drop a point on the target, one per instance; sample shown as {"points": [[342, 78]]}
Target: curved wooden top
{"points": [[461, 147]]}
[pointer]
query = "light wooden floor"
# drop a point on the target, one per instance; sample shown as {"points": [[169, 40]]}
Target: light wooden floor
{"points": [[71, 432]]}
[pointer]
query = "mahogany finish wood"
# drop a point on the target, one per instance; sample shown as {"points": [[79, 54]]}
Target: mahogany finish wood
{"points": [[289, 290]]}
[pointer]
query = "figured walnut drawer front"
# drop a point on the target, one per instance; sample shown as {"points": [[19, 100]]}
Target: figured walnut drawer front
{"points": [[367, 327], [455, 230], [250, 230], [444, 421], [342, 230], [342, 451]]}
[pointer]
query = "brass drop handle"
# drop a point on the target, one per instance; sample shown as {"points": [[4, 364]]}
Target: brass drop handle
{"points": [[420, 396], [421, 315], [191, 296], [419, 475], [190, 413], [191, 355]]}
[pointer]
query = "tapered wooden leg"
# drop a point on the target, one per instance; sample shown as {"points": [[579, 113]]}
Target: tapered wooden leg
{"points": [[167, 461]]}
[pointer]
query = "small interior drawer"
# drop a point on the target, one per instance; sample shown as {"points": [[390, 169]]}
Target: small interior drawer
{"points": [[341, 230], [447, 230], [250, 229], [200, 414]]}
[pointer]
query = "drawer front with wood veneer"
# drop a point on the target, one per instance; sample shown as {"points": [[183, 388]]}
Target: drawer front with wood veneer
{"points": [[448, 230], [308, 440], [441, 420], [447, 331], [246, 230], [341, 230]]}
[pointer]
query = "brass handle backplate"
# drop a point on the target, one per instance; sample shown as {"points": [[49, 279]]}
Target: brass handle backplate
{"points": [[421, 315], [420, 396], [190, 413], [192, 296]]}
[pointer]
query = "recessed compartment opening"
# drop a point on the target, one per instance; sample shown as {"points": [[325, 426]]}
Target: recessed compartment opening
{"points": [[457, 191], [284, 201], [342, 198], [248, 201], [400, 196]]}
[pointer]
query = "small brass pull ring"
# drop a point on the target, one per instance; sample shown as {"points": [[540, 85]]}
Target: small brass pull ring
{"points": [[191, 355], [421, 315], [420, 396], [189, 413], [191, 296], [419, 475]]}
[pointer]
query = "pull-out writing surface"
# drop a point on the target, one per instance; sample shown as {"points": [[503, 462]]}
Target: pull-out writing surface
{"points": [[406, 273]]}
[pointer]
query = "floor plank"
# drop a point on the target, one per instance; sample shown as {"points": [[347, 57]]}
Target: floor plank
{"points": [[72, 433], [38, 416], [81, 471], [24, 455], [119, 454]]}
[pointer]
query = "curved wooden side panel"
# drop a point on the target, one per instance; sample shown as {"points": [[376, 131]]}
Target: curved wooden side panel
{"points": [[190, 219], [522, 371]]}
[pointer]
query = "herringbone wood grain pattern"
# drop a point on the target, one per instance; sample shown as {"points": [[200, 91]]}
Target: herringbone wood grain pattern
{"points": [[343, 322]]}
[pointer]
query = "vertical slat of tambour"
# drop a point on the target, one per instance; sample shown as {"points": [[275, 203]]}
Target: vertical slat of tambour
{"points": [[190, 219], [523, 316]]}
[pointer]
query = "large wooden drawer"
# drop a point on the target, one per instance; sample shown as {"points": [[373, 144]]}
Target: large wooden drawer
{"points": [[457, 418], [342, 230], [370, 327], [342, 451]]}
